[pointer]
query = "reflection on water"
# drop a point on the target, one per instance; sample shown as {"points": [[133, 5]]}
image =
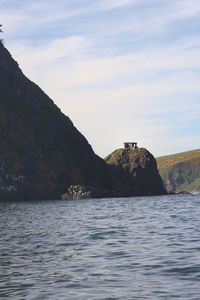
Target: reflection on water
{"points": [[134, 248]]}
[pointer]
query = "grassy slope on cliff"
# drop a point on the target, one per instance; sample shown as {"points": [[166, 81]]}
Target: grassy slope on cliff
{"points": [[180, 171]]}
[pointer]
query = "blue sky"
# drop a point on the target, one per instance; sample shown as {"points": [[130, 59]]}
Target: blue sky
{"points": [[122, 70]]}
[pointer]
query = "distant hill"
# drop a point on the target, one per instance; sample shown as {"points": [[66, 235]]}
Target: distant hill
{"points": [[180, 171]]}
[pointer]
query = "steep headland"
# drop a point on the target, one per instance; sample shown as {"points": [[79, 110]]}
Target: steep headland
{"points": [[135, 171], [42, 154], [180, 171]]}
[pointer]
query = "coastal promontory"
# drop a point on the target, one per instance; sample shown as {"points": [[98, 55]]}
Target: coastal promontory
{"points": [[43, 155], [135, 171], [41, 151]]}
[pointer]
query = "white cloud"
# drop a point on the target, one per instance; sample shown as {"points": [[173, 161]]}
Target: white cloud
{"points": [[69, 61], [31, 56], [13, 21], [121, 97], [36, 13], [158, 20], [105, 4]]}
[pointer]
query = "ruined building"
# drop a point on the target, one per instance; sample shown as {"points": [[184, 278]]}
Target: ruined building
{"points": [[131, 145]]}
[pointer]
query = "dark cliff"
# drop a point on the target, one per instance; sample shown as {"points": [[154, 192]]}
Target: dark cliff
{"points": [[136, 172], [41, 152]]}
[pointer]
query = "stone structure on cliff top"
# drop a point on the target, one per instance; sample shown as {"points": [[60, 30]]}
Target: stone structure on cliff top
{"points": [[130, 145]]}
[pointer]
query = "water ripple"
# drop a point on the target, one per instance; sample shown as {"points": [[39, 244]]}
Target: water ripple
{"points": [[135, 248]]}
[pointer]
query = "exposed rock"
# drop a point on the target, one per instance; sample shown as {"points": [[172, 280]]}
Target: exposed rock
{"points": [[88, 192], [65, 196], [183, 192], [136, 172], [170, 192]]}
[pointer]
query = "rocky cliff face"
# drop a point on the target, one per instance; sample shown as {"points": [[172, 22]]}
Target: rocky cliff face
{"points": [[41, 152], [180, 171], [135, 172]]}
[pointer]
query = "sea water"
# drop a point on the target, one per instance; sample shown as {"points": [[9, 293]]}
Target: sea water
{"points": [[119, 248]]}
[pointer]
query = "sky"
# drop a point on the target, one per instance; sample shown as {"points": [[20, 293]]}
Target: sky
{"points": [[122, 70]]}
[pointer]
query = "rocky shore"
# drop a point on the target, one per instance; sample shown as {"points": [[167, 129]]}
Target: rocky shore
{"points": [[87, 192]]}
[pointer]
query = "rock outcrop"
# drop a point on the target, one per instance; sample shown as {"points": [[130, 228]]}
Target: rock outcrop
{"points": [[88, 192], [135, 172]]}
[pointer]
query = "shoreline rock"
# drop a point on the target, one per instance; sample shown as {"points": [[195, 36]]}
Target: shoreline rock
{"points": [[78, 192]]}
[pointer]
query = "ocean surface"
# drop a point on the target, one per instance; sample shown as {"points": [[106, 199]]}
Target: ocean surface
{"points": [[130, 248]]}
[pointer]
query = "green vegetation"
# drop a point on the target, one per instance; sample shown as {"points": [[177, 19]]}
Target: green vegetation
{"points": [[180, 171], [123, 156]]}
